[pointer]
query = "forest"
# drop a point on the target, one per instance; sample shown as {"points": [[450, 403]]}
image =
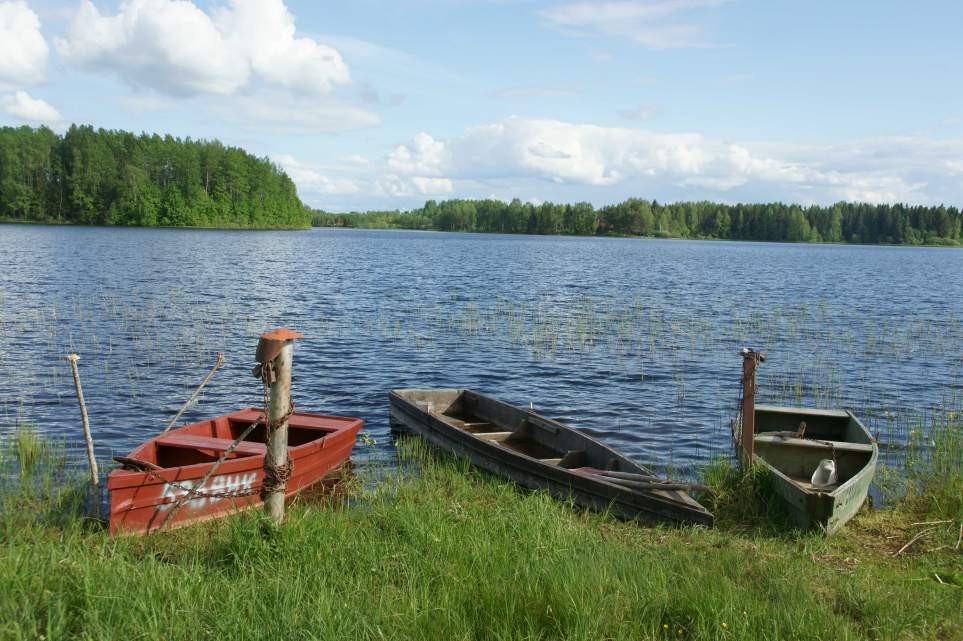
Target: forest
{"points": [[839, 223], [93, 176]]}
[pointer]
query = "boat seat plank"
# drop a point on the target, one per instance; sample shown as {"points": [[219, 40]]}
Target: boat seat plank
{"points": [[839, 446], [493, 436], [189, 441], [551, 461]]}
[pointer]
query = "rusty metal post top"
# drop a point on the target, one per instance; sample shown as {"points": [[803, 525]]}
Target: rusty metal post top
{"points": [[281, 334]]}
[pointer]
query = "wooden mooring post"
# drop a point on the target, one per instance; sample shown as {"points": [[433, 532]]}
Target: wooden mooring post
{"points": [[750, 359], [91, 457], [275, 357]]}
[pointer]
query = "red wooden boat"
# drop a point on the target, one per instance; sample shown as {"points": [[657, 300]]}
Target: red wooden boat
{"points": [[167, 467]]}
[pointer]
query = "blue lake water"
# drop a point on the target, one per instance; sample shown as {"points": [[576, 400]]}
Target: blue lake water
{"points": [[635, 341]]}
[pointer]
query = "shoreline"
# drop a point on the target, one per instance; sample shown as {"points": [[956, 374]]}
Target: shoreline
{"points": [[493, 233], [87, 226], [628, 236]]}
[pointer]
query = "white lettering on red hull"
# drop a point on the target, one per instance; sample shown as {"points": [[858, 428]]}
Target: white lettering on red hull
{"points": [[227, 483]]}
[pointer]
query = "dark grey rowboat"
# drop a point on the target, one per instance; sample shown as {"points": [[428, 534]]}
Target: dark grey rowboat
{"points": [[540, 453]]}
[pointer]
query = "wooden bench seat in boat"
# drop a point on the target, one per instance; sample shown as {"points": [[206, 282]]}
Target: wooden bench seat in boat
{"points": [[493, 436], [189, 441], [816, 444]]}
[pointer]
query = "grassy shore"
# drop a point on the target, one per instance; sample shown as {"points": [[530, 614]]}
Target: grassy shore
{"points": [[436, 550]]}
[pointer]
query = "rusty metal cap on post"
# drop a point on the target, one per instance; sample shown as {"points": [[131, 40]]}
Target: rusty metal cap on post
{"points": [[281, 334], [269, 346]]}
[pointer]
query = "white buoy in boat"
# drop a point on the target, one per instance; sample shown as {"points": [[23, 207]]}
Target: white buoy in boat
{"points": [[825, 474]]}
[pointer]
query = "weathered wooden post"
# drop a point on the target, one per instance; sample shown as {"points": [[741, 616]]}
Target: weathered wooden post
{"points": [[91, 458], [750, 359], [275, 355]]}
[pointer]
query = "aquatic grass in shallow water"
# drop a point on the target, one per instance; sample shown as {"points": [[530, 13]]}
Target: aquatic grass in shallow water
{"points": [[36, 484], [656, 353], [29, 449]]}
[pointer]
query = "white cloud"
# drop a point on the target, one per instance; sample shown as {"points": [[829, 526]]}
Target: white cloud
{"points": [[312, 179], [264, 29], [432, 185], [568, 162], [29, 110], [424, 156], [645, 22], [291, 115], [23, 50], [521, 149], [396, 186], [175, 47]]}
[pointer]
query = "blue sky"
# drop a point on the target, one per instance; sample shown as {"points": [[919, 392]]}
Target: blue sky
{"points": [[384, 105]]}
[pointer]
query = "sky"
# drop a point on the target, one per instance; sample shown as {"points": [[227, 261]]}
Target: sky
{"points": [[383, 105]]}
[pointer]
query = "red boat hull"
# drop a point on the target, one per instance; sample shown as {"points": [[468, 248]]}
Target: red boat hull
{"points": [[141, 501]]}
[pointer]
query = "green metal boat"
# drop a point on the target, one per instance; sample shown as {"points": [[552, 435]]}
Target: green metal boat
{"points": [[793, 442], [821, 461]]}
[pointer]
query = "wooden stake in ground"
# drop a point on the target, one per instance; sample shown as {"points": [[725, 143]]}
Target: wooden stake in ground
{"points": [[750, 359], [94, 475], [275, 355]]}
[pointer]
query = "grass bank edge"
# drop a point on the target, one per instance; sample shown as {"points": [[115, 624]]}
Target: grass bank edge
{"points": [[409, 552]]}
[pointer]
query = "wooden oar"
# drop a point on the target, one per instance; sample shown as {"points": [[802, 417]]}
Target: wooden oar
{"points": [[630, 476], [642, 481]]}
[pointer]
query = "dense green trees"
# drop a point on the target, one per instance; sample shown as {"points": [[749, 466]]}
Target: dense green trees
{"points": [[103, 177], [842, 222]]}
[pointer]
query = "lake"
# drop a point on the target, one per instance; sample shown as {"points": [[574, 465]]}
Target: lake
{"points": [[635, 341]]}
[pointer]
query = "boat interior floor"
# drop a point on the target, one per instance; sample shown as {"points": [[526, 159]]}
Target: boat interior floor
{"points": [[514, 440]]}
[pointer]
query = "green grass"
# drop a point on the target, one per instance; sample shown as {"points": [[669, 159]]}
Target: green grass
{"points": [[438, 550]]}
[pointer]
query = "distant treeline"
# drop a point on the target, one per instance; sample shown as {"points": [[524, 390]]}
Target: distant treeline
{"points": [[842, 222], [105, 177]]}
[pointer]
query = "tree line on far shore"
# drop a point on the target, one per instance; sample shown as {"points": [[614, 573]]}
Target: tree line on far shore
{"points": [[839, 223], [105, 177]]}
